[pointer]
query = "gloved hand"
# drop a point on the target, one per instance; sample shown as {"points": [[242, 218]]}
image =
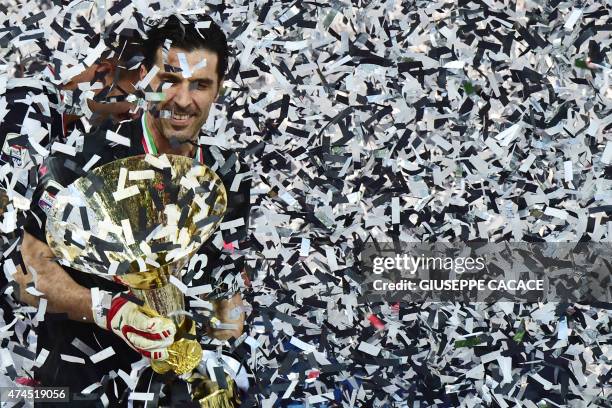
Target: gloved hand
{"points": [[147, 334]]}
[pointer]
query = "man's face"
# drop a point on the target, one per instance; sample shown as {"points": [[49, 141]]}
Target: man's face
{"points": [[105, 72], [187, 101]]}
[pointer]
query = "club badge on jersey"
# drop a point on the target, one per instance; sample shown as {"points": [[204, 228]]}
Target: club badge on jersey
{"points": [[48, 196], [14, 153]]}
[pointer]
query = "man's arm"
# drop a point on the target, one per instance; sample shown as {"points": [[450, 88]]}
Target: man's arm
{"points": [[63, 294], [150, 336]]}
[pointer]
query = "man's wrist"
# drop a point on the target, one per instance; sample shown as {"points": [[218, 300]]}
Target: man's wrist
{"points": [[100, 305]]}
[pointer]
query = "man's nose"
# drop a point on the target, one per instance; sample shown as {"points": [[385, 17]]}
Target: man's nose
{"points": [[182, 94]]}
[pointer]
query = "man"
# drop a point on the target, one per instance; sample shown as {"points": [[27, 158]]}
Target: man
{"points": [[40, 113], [188, 65]]}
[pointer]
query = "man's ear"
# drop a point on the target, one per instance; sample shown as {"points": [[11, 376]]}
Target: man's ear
{"points": [[142, 72], [220, 87]]}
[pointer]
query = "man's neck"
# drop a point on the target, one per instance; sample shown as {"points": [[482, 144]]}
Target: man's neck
{"points": [[163, 145]]}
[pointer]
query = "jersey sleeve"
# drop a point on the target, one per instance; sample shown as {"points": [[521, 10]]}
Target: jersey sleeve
{"points": [[57, 171], [25, 132], [27, 128]]}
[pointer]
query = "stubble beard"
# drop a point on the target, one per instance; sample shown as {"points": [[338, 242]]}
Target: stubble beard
{"points": [[184, 136]]}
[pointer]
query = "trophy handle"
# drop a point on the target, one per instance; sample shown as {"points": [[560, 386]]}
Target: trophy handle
{"points": [[210, 395]]}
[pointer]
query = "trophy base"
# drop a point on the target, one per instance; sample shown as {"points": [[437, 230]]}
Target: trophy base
{"points": [[184, 354], [210, 395], [171, 390]]}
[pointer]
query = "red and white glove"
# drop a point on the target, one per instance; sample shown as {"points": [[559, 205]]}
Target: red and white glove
{"points": [[150, 336]]}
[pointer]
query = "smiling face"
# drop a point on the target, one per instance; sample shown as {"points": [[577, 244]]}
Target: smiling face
{"points": [[187, 101]]}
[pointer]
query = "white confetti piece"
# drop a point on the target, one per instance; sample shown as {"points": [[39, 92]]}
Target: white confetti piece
{"points": [[61, 147], [454, 65], [238, 222], [606, 156], [341, 111], [568, 172], [302, 345], [42, 357], [369, 348], [117, 138], [180, 285], [141, 396], [199, 290], [286, 197], [252, 342], [42, 308], [395, 210], [304, 247], [92, 162], [289, 390], [526, 164], [126, 193], [102, 355], [317, 399], [156, 162], [556, 212], [572, 18], [505, 366], [143, 83], [131, 382], [141, 175], [90, 388], [507, 136], [72, 359], [562, 331], [202, 24], [184, 65], [84, 348], [123, 172], [441, 142], [127, 232]]}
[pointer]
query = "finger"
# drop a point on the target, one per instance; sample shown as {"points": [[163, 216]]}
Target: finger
{"points": [[147, 344], [156, 354], [161, 325], [128, 332], [165, 334], [160, 354]]}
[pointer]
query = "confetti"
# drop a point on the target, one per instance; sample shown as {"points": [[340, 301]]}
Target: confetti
{"points": [[102, 355], [371, 122], [126, 193], [72, 359], [117, 138], [141, 175]]}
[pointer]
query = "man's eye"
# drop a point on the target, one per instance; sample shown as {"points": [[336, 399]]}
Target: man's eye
{"points": [[202, 85]]}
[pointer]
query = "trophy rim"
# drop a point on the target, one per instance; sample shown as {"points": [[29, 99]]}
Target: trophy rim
{"points": [[156, 276]]}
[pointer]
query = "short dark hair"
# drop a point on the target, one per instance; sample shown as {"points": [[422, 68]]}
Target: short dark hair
{"points": [[185, 35], [124, 46]]}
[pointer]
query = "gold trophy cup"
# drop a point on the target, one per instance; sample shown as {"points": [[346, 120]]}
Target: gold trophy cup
{"points": [[137, 221]]}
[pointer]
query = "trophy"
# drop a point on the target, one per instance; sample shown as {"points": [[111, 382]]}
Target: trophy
{"points": [[137, 221]]}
